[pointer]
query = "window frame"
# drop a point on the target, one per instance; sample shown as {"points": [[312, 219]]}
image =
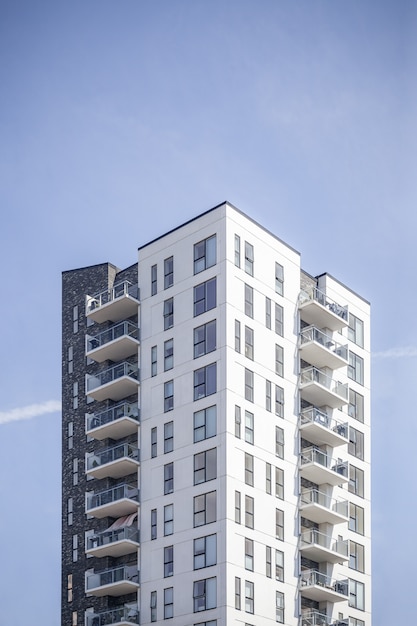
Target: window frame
{"points": [[168, 272], [205, 339], [209, 425], [168, 478], [205, 296], [205, 466], [205, 381], [207, 254]]}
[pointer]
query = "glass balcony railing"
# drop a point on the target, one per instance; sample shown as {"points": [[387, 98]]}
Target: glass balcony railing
{"points": [[118, 291], [312, 415], [318, 296], [112, 576], [118, 615], [313, 334], [313, 577], [314, 618], [314, 536], [127, 533], [109, 496], [315, 455], [122, 451], [315, 375], [122, 329], [112, 374], [314, 496], [125, 409]]}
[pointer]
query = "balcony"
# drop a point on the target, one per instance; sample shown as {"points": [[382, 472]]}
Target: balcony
{"points": [[115, 423], [321, 508], [321, 350], [113, 462], [319, 468], [114, 304], [123, 616], [115, 543], [319, 389], [115, 502], [113, 582], [317, 309], [113, 344], [314, 618], [115, 383], [320, 547], [321, 588], [319, 428]]}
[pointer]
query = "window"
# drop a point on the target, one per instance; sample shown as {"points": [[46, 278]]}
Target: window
{"points": [[279, 565], [248, 385], [248, 343], [249, 301], [355, 368], [168, 561], [205, 509], [355, 408], [168, 519], [237, 594], [268, 478], [168, 272], [279, 360], [248, 469], [237, 507], [70, 360], [69, 587], [356, 556], [74, 618], [75, 319], [70, 511], [356, 518], [168, 437], [249, 554], [154, 281], [75, 548], [279, 483], [279, 524], [268, 312], [75, 395], [154, 442], [205, 424], [280, 606], [153, 606], [237, 250], [75, 472], [279, 279], [356, 594], [279, 401], [70, 435], [279, 442], [168, 313], [205, 466], [154, 361], [237, 336], [204, 339], [153, 524], [268, 562], [355, 330], [205, 551], [248, 258], [205, 381], [205, 297], [204, 594], [268, 395], [169, 603], [168, 396], [279, 320], [204, 254], [249, 427], [356, 478], [249, 512], [168, 478], [238, 421], [168, 355], [249, 596], [356, 441], [356, 622]]}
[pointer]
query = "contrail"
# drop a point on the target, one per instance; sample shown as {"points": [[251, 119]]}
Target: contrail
{"points": [[396, 353], [27, 412]]}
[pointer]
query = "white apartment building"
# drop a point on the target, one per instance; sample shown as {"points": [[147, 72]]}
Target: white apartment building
{"points": [[226, 468]]}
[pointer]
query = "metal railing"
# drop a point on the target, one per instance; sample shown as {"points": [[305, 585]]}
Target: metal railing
{"points": [[112, 576], [127, 533], [125, 288], [315, 537], [93, 500], [122, 329], [315, 455], [113, 373], [314, 375], [125, 409], [314, 496], [121, 451], [312, 415], [314, 577], [113, 616], [311, 333], [316, 295]]}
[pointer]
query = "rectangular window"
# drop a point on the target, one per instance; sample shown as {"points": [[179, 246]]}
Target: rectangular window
{"points": [[154, 442], [168, 478], [205, 423], [279, 401], [205, 297], [70, 435], [69, 511], [75, 548], [279, 524], [279, 360], [168, 437], [168, 313], [238, 421], [356, 518], [153, 606], [205, 551], [154, 279], [75, 472], [279, 279], [237, 594], [74, 618], [355, 368], [204, 254], [205, 594], [268, 562], [237, 336], [205, 381], [249, 554], [248, 385], [249, 301], [356, 405], [168, 272], [237, 250], [280, 606], [356, 480], [356, 594], [356, 443], [168, 519], [154, 361], [168, 355], [154, 524], [205, 466], [356, 622], [69, 588], [249, 343], [248, 469], [279, 442], [268, 395], [279, 483], [204, 339], [355, 330], [168, 396], [356, 556], [205, 509], [279, 565], [237, 507], [249, 429], [268, 478], [168, 561], [279, 320], [169, 603], [75, 395], [75, 319], [268, 313], [249, 597], [70, 360], [249, 512], [249, 258]]}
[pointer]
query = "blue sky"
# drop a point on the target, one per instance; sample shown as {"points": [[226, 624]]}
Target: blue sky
{"points": [[120, 120]]}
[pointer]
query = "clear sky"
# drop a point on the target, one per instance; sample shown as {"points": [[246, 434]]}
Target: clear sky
{"points": [[122, 119]]}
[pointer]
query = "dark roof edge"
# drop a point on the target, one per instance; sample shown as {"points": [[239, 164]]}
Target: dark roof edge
{"points": [[87, 267], [344, 286]]}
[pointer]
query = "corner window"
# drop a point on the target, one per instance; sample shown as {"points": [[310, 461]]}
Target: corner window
{"points": [[205, 551], [204, 339], [205, 594], [205, 423], [205, 509], [205, 466], [168, 272], [204, 254], [205, 381], [204, 297]]}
